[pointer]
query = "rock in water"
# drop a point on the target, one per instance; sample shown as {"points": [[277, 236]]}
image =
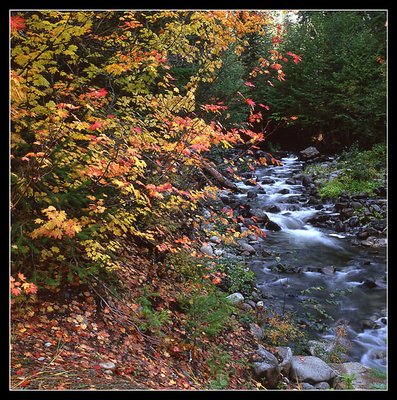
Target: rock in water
{"points": [[312, 370]]}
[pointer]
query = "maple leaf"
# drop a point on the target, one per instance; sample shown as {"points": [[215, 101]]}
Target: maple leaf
{"points": [[17, 23], [264, 106], [249, 84], [295, 57], [294, 117], [276, 66], [250, 102], [95, 126], [21, 276]]}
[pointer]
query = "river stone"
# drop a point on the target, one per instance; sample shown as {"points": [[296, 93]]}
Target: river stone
{"points": [[273, 209], [268, 181], [307, 386], [267, 368], [272, 226], [283, 191], [286, 355], [215, 239], [256, 331], [207, 249], [251, 194], [312, 370], [363, 377], [235, 298], [247, 247], [322, 386], [309, 153]]}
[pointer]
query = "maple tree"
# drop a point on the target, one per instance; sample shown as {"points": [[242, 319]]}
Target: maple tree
{"points": [[103, 142]]}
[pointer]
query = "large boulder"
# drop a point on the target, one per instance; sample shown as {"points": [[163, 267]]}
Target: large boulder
{"points": [[286, 355], [267, 368], [309, 153], [312, 370]]}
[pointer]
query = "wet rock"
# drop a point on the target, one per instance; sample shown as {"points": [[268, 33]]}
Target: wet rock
{"points": [[307, 180], [283, 191], [328, 270], [368, 324], [250, 182], [273, 209], [272, 226], [312, 370], [362, 235], [252, 194], [353, 221], [347, 212], [379, 225], [268, 181], [290, 181], [259, 215], [369, 283]]}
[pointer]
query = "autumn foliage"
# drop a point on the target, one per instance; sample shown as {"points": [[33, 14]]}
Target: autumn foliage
{"points": [[105, 147]]}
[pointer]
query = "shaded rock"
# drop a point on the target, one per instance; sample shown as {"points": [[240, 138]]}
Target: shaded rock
{"points": [[328, 270], [268, 181], [252, 194], [235, 298], [306, 180], [259, 215], [322, 386], [283, 191], [307, 386], [257, 331], [312, 370], [369, 283], [272, 226], [286, 355], [309, 153], [290, 181], [267, 368], [273, 209]]}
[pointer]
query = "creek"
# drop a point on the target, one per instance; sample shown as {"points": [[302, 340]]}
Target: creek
{"points": [[330, 285]]}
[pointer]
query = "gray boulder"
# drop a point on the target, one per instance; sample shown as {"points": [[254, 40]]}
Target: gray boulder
{"points": [[207, 249], [247, 247], [235, 298], [286, 355], [268, 368], [309, 153], [312, 370]]}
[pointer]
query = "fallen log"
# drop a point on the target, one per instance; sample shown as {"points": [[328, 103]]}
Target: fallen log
{"points": [[210, 168]]}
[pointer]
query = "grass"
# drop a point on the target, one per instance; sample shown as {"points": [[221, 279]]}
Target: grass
{"points": [[355, 172]]}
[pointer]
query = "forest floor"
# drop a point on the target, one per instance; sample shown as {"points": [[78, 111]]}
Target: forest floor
{"points": [[60, 340]]}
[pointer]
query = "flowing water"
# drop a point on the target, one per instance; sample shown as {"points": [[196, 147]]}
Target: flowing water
{"points": [[341, 294]]}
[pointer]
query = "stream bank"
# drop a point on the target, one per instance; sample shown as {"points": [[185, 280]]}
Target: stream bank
{"points": [[324, 262]]}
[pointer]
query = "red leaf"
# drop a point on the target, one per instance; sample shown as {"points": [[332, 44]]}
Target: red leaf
{"points": [[101, 92], [250, 102], [17, 23], [296, 58], [249, 84], [264, 106], [95, 126]]}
